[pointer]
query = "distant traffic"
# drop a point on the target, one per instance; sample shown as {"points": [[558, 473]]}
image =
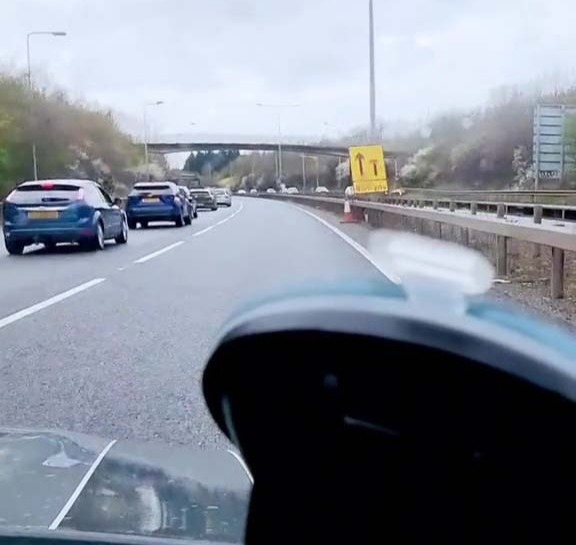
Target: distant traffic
{"points": [[82, 212], [286, 190]]}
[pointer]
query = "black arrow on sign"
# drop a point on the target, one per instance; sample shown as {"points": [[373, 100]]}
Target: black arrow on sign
{"points": [[375, 166], [360, 158]]}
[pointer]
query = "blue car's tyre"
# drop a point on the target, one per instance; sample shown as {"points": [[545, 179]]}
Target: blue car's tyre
{"points": [[14, 248], [96, 242], [122, 238]]}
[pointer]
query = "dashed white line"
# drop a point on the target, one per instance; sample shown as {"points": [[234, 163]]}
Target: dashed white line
{"points": [[228, 218], [180, 242], [204, 231], [159, 252], [48, 302], [81, 485]]}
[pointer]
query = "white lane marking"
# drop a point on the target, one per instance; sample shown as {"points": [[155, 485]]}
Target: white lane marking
{"points": [[48, 302], [242, 463], [180, 242], [81, 485], [159, 252], [228, 218], [203, 231], [358, 247]]}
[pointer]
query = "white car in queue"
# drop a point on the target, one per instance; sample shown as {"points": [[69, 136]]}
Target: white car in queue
{"points": [[223, 196]]}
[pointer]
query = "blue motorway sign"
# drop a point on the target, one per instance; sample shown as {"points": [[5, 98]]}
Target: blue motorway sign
{"points": [[550, 158]]}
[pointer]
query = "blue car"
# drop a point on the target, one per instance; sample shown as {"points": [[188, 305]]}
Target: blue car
{"points": [[54, 211], [157, 201]]}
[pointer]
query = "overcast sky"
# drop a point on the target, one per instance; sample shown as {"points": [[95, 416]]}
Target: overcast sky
{"points": [[212, 60]]}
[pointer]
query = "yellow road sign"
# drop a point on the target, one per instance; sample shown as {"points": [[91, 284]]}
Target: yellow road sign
{"points": [[368, 169]]}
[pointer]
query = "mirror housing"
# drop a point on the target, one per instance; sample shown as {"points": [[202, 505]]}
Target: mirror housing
{"points": [[363, 413]]}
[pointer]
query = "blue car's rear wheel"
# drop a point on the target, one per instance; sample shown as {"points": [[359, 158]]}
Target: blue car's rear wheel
{"points": [[97, 241], [14, 248], [122, 238], [131, 224]]}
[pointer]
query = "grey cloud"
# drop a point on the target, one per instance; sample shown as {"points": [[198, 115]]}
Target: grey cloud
{"points": [[211, 60]]}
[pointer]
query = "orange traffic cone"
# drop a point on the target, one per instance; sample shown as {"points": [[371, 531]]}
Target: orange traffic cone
{"points": [[348, 216]]}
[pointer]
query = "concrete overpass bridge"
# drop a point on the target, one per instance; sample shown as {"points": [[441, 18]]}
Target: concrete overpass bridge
{"points": [[188, 143], [178, 147]]}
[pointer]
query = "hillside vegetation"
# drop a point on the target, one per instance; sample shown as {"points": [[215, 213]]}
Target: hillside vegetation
{"points": [[72, 139]]}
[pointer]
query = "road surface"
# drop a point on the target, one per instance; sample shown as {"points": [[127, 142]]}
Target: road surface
{"points": [[113, 343]]}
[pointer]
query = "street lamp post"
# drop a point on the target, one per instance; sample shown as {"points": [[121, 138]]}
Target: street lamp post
{"points": [[279, 108], [372, 72], [29, 77], [146, 158]]}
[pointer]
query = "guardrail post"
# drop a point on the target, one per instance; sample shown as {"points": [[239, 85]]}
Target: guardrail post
{"points": [[452, 206], [474, 208], [538, 213], [557, 280], [465, 236], [435, 205], [501, 211], [501, 256], [437, 229]]}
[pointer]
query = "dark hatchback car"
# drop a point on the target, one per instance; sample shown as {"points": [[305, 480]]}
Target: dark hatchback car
{"points": [[193, 207], [205, 198], [157, 201], [54, 211]]}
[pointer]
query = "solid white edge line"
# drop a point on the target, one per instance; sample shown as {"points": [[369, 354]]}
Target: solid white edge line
{"points": [[358, 247], [241, 461], [81, 485], [159, 252], [48, 302]]}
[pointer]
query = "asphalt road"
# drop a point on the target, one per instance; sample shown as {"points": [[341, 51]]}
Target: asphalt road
{"points": [[122, 355]]}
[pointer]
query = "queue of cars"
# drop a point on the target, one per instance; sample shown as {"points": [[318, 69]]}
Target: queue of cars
{"points": [[287, 190], [50, 212]]}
